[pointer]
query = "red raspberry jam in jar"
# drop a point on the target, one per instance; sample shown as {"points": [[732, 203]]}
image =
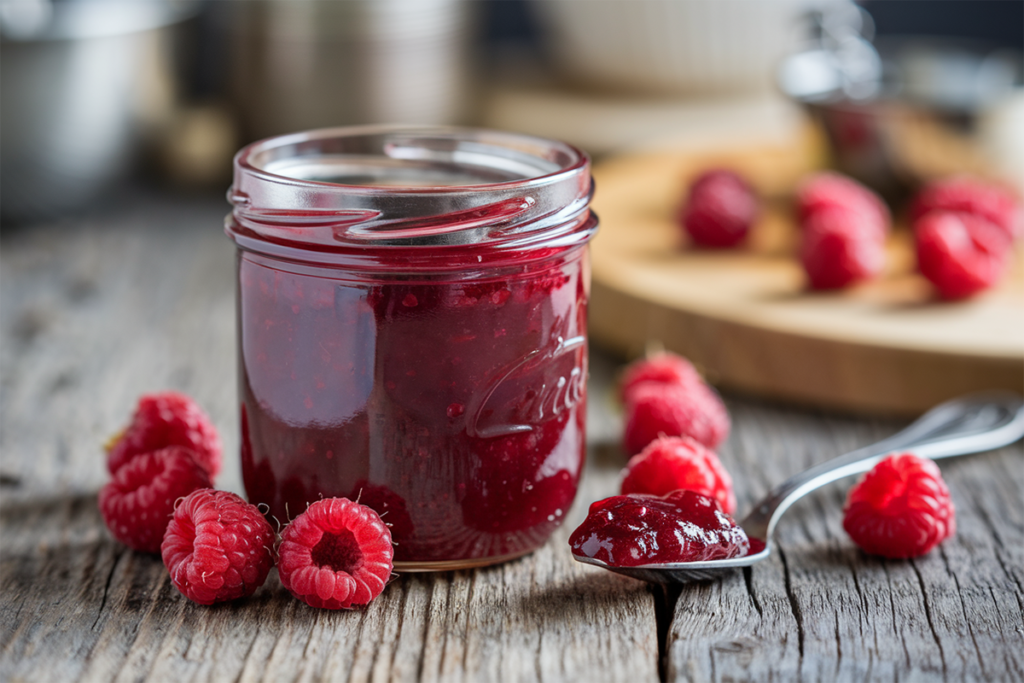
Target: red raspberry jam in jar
{"points": [[412, 332]]}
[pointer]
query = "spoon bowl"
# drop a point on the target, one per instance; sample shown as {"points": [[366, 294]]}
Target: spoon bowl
{"points": [[681, 572], [971, 424]]}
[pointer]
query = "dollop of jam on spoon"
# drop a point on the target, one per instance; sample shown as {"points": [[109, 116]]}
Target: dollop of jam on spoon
{"points": [[639, 529]]}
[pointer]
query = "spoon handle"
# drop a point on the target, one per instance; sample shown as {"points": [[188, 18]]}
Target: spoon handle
{"points": [[970, 424]]}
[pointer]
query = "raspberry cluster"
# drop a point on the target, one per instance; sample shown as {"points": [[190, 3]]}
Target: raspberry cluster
{"points": [[168, 450], [665, 396], [216, 546], [843, 230], [673, 421], [168, 419], [964, 229], [676, 497], [843, 224]]}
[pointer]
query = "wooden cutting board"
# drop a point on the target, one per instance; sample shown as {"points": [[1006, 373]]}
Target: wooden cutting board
{"points": [[746, 318]]}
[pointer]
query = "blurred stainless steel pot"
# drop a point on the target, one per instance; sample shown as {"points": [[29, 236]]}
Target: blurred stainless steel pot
{"points": [[77, 80], [303, 64]]}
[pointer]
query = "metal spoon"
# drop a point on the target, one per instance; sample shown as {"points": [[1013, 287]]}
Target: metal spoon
{"points": [[970, 424]]}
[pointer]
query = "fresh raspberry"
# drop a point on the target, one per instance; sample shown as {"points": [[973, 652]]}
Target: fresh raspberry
{"points": [[671, 463], [217, 547], [901, 508], [834, 191], [969, 195], [336, 555], [720, 209], [655, 410], [168, 419], [638, 529], [138, 503], [838, 250], [959, 253], [661, 368]]}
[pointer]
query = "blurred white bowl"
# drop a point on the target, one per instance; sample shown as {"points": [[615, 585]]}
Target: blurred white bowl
{"points": [[672, 46]]}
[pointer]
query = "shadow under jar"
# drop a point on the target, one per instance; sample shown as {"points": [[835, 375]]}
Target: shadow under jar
{"points": [[412, 332]]}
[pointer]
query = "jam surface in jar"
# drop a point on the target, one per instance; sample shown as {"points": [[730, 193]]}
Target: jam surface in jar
{"points": [[443, 385]]}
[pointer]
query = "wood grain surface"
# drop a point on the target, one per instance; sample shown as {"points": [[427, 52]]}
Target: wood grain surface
{"points": [[746, 316], [100, 308]]}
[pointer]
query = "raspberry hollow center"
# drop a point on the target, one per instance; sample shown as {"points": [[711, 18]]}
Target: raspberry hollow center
{"points": [[338, 551]]}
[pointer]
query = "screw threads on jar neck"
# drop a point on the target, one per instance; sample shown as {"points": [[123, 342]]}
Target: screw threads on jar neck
{"points": [[397, 186]]}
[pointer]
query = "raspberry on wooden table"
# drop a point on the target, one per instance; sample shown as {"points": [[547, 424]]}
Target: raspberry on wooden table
{"points": [[901, 508], [960, 253], [654, 410], [661, 368], [336, 555], [671, 463], [137, 504], [963, 194], [168, 419], [217, 547], [828, 190], [838, 249], [720, 209]]}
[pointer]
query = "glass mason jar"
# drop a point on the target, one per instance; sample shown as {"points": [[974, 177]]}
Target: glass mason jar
{"points": [[412, 308]]}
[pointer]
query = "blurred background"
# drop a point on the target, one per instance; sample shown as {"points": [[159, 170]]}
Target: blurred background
{"points": [[103, 95]]}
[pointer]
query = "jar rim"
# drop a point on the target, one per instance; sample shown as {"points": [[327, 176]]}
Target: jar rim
{"points": [[382, 185], [248, 158]]}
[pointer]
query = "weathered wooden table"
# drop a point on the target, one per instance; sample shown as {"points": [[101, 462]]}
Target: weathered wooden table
{"points": [[98, 309]]}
